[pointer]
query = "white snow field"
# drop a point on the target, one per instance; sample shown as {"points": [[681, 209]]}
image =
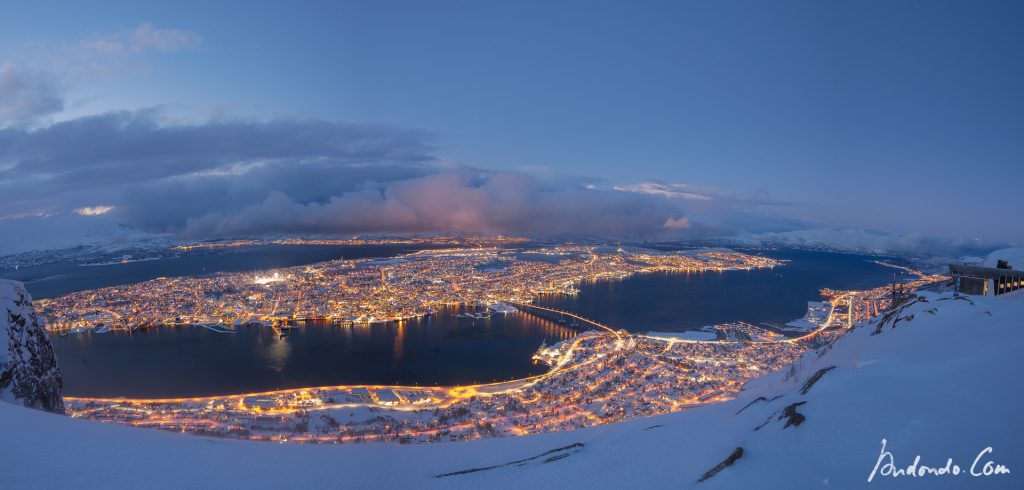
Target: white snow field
{"points": [[99, 234], [944, 383], [1015, 256]]}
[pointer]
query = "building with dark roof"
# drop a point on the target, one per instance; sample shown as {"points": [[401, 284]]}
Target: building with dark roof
{"points": [[983, 281]]}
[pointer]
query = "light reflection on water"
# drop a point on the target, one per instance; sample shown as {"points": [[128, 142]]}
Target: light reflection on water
{"points": [[277, 354], [443, 349]]}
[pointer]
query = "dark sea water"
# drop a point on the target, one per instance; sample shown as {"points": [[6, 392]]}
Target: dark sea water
{"points": [[672, 302], [443, 349], [60, 278]]}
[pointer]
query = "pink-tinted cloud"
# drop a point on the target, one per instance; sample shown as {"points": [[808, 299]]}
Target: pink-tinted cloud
{"points": [[466, 201]]}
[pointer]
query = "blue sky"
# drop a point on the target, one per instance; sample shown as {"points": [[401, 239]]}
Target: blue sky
{"points": [[881, 115]]}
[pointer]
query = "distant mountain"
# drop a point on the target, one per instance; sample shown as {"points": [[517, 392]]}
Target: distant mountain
{"points": [[865, 241], [48, 238], [29, 374]]}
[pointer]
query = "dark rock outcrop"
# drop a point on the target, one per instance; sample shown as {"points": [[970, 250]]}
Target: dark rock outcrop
{"points": [[736, 454], [792, 417], [814, 379], [29, 374]]}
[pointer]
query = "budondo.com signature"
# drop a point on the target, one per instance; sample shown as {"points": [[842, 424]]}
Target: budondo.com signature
{"points": [[983, 465]]}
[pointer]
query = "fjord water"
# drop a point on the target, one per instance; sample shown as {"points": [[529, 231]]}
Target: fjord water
{"points": [[60, 278], [443, 349], [687, 301]]}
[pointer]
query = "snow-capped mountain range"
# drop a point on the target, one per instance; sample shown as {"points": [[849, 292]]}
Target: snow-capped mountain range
{"points": [[57, 237], [859, 240]]}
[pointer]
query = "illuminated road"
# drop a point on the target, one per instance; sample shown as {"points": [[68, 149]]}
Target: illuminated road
{"points": [[454, 393]]}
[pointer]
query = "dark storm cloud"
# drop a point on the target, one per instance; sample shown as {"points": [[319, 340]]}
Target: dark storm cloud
{"points": [[466, 200], [129, 147], [235, 178], [308, 180], [240, 177]]}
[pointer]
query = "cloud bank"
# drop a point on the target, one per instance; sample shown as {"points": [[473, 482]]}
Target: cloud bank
{"points": [[228, 178], [242, 177], [463, 201]]}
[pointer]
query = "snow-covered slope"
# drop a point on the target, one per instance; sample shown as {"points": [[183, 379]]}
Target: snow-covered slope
{"points": [[944, 383], [859, 240], [87, 234], [1015, 256], [852, 239], [29, 374]]}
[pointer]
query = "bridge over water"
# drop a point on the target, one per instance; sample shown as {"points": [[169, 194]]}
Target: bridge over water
{"points": [[560, 316]]}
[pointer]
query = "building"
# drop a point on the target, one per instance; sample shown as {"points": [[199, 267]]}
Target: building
{"points": [[983, 281], [361, 393], [387, 397]]}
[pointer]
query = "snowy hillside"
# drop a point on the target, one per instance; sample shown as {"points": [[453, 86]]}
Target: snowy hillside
{"points": [[856, 240], [944, 383], [29, 374], [1015, 256], [71, 232]]}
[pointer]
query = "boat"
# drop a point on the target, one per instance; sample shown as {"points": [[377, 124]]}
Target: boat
{"points": [[474, 315]]}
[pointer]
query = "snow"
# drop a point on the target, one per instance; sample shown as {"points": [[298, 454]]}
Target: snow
{"points": [[29, 374], [66, 231], [1015, 256], [859, 240], [688, 335], [943, 384], [817, 314], [841, 238]]}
